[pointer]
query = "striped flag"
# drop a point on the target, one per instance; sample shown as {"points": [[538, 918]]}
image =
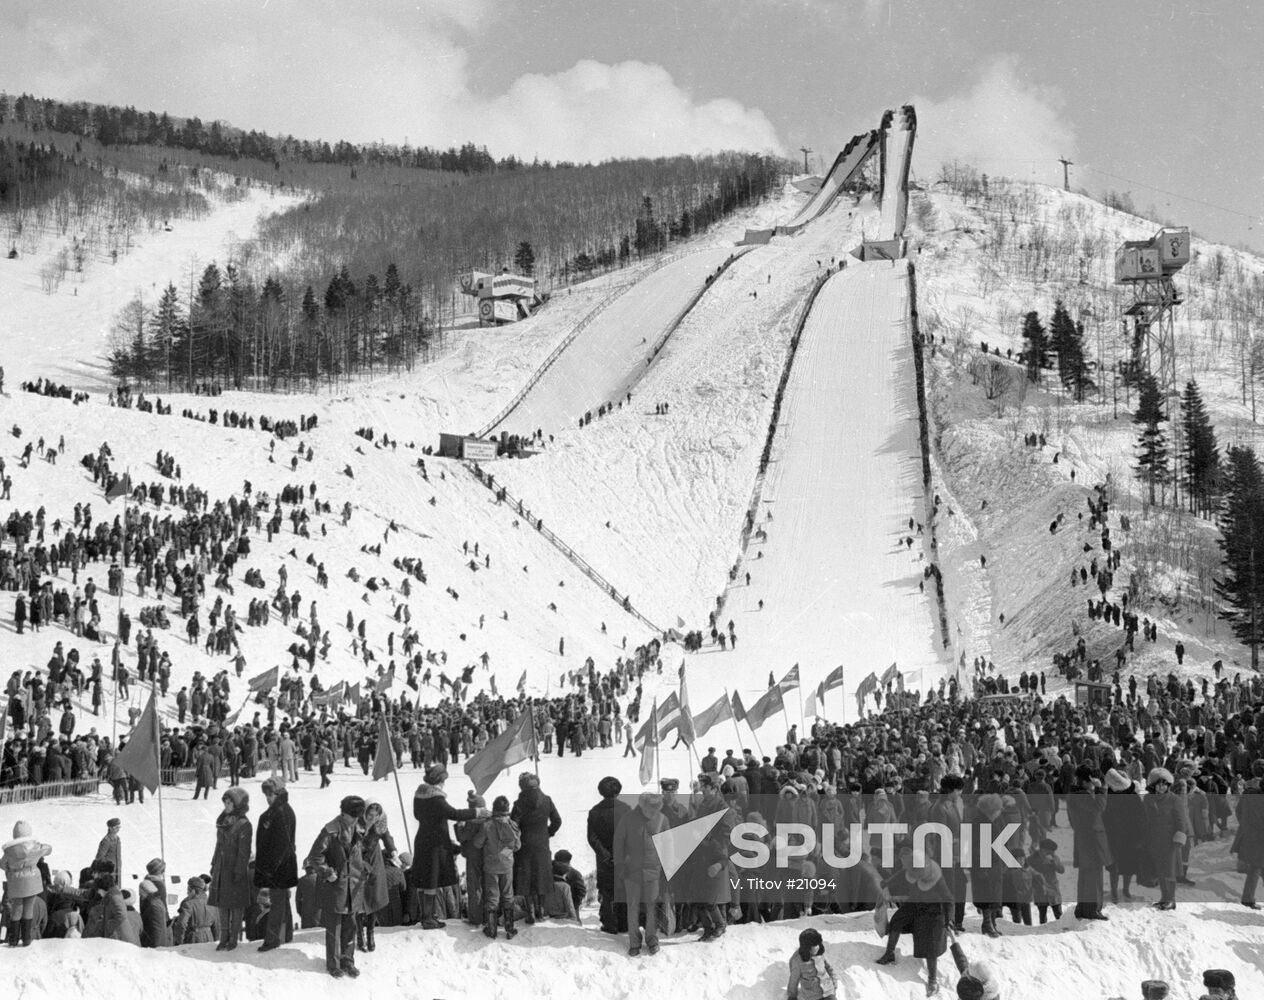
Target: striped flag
{"points": [[669, 716], [687, 730], [791, 681], [646, 773], [513, 746], [833, 680], [522, 683]]}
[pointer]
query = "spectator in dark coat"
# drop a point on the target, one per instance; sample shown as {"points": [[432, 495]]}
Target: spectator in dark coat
{"points": [[564, 872], [338, 861], [230, 874], [434, 867], [1248, 843], [196, 922], [538, 820], [276, 862], [154, 917], [1167, 830], [1125, 832], [603, 820], [1086, 807], [378, 850]]}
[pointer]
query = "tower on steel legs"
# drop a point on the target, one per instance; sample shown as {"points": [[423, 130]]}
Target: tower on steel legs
{"points": [[1146, 268]]}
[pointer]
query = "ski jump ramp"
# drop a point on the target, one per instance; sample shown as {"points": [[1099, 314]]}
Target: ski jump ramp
{"points": [[607, 359], [898, 131], [846, 166], [838, 579]]}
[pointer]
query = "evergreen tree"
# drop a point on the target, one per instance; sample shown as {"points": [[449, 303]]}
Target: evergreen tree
{"points": [[168, 327], [1152, 458], [1036, 349], [1066, 339], [1242, 540], [524, 259], [1200, 451]]}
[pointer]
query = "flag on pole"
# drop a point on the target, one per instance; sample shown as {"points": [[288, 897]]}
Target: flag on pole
{"points": [[739, 711], [810, 705], [651, 742], [353, 694], [833, 680], [266, 681], [769, 704], [712, 716], [331, 697], [522, 683], [790, 681], [384, 760], [669, 716], [513, 746], [688, 733], [888, 675], [385, 681], [140, 757], [899, 681], [122, 488], [865, 688]]}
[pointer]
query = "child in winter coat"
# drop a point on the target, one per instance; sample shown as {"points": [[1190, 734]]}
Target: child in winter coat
{"points": [[1018, 889], [498, 839], [811, 977], [1046, 864]]}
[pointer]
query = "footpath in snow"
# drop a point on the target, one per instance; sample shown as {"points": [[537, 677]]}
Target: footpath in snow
{"points": [[831, 559]]}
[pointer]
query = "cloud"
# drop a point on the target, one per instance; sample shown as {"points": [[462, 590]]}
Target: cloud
{"points": [[1001, 124], [595, 111], [333, 70]]}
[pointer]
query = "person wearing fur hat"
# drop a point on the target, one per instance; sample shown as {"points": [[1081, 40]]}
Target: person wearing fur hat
{"points": [[1086, 809], [1167, 830], [276, 862], [811, 976], [638, 869], [466, 831], [230, 866], [538, 819], [603, 820], [378, 849], [498, 839], [20, 860], [979, 980], [154, 917], [196, 922], [1220, 984], [337, 858], [433, 849], [1124, 820]]}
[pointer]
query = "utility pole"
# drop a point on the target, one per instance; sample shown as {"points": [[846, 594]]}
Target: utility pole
{"points": [[804, 150], [1066, 181]]}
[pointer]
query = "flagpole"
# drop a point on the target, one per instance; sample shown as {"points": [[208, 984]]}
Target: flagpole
{"points": [[162, 836], [398, 791], [803, 719], [535, 757], [842, 676]]}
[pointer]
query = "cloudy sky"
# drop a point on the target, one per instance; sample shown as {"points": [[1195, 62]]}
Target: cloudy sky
{"points": [[1162, 99]]}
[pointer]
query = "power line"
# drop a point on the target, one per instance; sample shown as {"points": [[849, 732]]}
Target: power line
{"points": [[1172, 194]]}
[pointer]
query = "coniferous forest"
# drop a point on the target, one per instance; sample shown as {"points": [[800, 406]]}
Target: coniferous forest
{"points": [[373, 246]]}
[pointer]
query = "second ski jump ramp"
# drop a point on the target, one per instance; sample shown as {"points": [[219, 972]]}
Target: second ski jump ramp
{"points": [[836, 575], [605, 362], [846, 165]]}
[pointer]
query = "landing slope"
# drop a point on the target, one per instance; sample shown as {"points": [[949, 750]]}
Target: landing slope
{"points": [[838, 581], [606, 360]]}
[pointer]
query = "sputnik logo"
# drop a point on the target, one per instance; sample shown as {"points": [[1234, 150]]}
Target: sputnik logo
{"points": [[676, 846]]}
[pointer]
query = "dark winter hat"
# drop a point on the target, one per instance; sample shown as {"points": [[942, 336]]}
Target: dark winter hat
{"points": [[196, 883], [156, 867], [669, 784], [1219, 979], [272, 786], [564, 856], [113, 823], [1154, 989], [609, 787], [352, 805], [476, 800], [969, 988], [500, 806], [810, 940], [436, 774], [528, 780], [1048, 845]]}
